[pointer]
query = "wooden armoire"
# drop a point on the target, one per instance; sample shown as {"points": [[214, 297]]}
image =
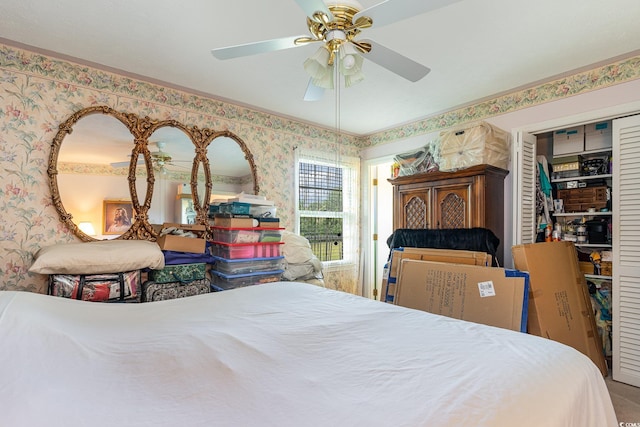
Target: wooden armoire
{"points": [[471, 197]]}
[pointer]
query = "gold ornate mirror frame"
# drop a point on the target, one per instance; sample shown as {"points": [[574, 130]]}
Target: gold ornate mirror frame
{"points": [[141, 129]]}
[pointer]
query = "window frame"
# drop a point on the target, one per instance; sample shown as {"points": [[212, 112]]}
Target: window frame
{"points": [[350, 193]]}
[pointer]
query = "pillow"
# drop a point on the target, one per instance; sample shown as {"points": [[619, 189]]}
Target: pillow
{"points": [[105, 256]]}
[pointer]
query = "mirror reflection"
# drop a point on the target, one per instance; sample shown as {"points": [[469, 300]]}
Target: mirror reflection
{"points": [[103, 162], [231, 171], [172, 153], [87, 181]]}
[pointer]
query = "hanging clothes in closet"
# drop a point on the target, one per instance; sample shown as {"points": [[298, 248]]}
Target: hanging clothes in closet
{"points": [[544, 195]]}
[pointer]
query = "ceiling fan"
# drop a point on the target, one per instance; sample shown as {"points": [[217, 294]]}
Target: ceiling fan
{"points": [[337, 24], [159, 158]]}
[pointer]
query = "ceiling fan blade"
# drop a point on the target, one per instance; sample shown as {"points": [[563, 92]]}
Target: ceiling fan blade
{"points": [[126, 164], [390, 11], [394, 62], [310, 7], [313, 93], [255, 48]]}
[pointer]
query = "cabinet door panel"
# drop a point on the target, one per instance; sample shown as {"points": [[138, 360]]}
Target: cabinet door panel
{"points": [[452, 206], [416, 209]]}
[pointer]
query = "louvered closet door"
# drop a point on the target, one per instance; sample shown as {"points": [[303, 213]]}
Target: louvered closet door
{"points": [[626, 250], [524, 188]]}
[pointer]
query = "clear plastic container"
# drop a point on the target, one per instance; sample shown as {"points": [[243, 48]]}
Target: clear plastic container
{"points": [[261, 211], [245, 250], [250, 265], [246, 235], [223, 281], [236, 208], [474, 144], [236, 235], [270, 235]]}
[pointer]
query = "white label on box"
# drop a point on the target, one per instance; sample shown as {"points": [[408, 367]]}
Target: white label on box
{"points": [[486, 289]]}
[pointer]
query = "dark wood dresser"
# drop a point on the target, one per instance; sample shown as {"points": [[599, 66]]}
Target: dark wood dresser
{"points": [[471, 197]]}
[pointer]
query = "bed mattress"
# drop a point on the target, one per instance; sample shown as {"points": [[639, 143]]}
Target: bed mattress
{"points": [[281, 354]]}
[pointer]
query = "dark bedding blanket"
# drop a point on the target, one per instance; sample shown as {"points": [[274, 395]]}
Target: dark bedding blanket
{"points": [[468, 239]]}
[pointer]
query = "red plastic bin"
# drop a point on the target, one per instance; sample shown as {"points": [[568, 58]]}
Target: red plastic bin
{"points": [[246, 250]]}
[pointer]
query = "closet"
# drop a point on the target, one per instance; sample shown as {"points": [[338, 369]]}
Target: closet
{"points": [[622, 181]]}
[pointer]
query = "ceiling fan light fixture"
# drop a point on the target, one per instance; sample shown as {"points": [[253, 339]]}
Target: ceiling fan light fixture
{"points": [[161, 169], [324, 81], [350, 60], [317, 64], [352, 79]]}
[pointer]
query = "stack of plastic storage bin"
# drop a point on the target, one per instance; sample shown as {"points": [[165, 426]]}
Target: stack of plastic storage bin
{"points": [[245, 256]]}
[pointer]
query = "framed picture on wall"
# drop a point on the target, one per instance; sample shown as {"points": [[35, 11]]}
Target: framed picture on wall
{"points": [[117, 216]]}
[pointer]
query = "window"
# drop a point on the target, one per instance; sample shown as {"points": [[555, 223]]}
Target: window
{"points": [[326, 208]]}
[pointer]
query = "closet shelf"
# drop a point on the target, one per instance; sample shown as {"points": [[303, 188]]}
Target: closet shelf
{"points": [[583, 178], [608, 213], [596, 276], [593, 245]]}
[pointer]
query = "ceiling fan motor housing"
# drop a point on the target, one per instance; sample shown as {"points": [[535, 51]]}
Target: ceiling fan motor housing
{"points": [[339, 30]]}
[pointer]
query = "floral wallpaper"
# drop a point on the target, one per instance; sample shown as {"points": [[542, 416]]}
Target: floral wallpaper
{"points": [[598, 78], [38, 92]]}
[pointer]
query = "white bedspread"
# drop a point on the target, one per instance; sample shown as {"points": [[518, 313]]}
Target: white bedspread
{"points": [[283, 354]]}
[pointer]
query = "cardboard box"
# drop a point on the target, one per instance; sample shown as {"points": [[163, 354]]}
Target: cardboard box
{"points": [[559, 302], [568, 141], [269, 222], [586, 267], [234, 222], [170, 242], [598, 136], [428, 254], [606, 268], [487, 295]]}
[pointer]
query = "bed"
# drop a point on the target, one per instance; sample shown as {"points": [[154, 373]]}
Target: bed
{"points": [[281, 354]]}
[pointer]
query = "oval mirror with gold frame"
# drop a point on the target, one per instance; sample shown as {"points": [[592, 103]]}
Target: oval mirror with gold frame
{"points": [[232, 170], [102, 158]]}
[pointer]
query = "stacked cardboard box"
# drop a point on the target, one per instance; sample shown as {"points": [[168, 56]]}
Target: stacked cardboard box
{"points": [[546, 295], [427, 254], [559, 302], [461, 285]]}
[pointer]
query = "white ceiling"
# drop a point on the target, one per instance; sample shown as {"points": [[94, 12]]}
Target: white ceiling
{"points": [[475, 49]]}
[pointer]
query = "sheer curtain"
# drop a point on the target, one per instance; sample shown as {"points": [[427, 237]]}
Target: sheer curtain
{"points": [[341, 274]]}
